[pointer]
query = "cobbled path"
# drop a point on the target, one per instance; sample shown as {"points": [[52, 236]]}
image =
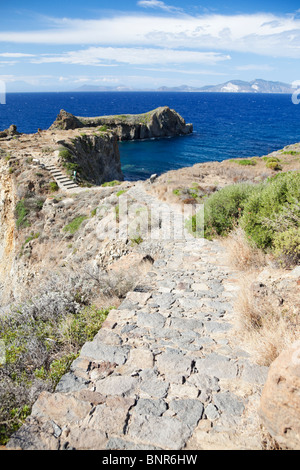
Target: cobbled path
{"points": [[166, 370]]}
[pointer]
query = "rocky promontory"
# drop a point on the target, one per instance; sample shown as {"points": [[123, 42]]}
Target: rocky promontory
{"points": [[161, 122]]}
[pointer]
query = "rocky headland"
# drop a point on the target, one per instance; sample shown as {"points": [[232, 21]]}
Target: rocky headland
{"points": [[161, 122], [169, 369]]}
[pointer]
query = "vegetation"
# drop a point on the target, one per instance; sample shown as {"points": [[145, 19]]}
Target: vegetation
{"points": [[41, 339], [269, 214], [73, 226], [53, 186], [21, 214], [111, 183]]}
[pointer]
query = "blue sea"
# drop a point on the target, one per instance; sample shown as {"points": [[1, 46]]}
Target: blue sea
{"points": [[226, 125]]}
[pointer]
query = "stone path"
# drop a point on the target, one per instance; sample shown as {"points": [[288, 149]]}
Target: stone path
{"points": [[165, 371]]}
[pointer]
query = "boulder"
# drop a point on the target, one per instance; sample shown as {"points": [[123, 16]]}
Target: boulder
{"points": [[280, 401]]}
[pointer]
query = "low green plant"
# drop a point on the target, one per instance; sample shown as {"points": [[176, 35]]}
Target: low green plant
{"points": [[247, 162], [111, 183], [53, 186], [65, 153], [21, 213], [73, 226], [119, 193], [273, 165]]}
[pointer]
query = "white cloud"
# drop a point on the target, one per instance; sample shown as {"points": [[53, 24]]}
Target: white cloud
{"points": [[262, 67], [109, 56], [263, 33], [15, 55], [157, 4]]}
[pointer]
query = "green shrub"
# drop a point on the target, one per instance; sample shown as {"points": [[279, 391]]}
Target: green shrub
{"points": [[247, 162], [287, 246], [223, 209], [273, 165], [268, 206], [65, 154], [21, 214], [53, 186]]}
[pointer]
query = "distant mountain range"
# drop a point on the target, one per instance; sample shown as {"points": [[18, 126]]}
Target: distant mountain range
{"points": [[233, 86]]}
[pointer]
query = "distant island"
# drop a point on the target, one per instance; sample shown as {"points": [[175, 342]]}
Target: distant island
{"points": [[232, 86]]}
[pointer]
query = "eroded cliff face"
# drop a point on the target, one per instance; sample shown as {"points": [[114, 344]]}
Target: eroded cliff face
{"points": [[7, 235], [161, 122], [96, 157]]}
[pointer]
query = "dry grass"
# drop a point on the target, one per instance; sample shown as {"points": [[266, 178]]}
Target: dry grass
{"points": [[241, 254], [264, 326]]}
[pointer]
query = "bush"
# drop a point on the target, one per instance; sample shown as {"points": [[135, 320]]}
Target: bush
{"points": [[223, 209], [53, 186], [273, 165], [287, 246], [265, 212]]}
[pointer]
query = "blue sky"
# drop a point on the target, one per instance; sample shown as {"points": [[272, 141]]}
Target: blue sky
{"points": [[146, 44]]}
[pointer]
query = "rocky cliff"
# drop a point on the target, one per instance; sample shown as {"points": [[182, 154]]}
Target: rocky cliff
{"points": [[161, 122], [94, 156]]}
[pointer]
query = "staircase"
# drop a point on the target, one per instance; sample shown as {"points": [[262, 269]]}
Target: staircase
{"points": [[63, 181]]}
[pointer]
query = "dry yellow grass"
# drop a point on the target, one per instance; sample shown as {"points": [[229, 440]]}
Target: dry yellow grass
{"points": [[265, 326], [240, 254]]}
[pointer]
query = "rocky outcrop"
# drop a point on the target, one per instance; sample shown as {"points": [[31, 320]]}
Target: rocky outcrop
{"points": [[9, 133], [95, 157], [161, 122], [280, 400]]}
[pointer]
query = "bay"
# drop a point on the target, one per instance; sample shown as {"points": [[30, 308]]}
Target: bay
{"points": [[226, 125]]}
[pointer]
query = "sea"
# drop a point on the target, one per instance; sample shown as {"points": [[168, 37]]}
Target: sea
{"points": [[226, 125]]}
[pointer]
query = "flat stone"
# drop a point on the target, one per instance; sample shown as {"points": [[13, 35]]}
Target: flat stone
{"points": [[71, 383], [217, 327], [174, 364], [164, 301], [188, 411], [115, 443], [61, 408], [254, 373], [111, 417], [217, 366], [164, 432], [146, 406], [140, 358], [154, 387], [186, 324], [204, 382], [211, 412], [99, 351], [183, 391], [117, 385], [150, 320], [228, 403], [82, 438], [138, 297]]}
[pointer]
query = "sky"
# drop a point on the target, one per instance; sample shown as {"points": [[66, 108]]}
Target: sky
{"points": [[146, 44]]}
